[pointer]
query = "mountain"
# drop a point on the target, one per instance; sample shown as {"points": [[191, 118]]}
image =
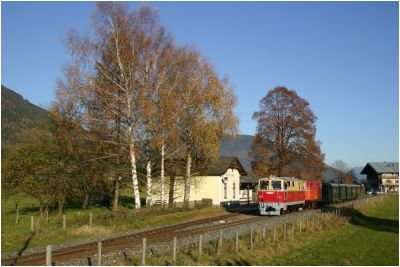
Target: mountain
{"points": [[17, 115], [356, 172], [329, 173], [237, 147]]}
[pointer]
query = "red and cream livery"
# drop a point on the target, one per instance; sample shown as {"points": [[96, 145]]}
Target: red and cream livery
{"points": [[282, 194]]}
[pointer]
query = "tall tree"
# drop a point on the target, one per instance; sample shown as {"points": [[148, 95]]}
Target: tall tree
{"points": [[206, 110], [114, 67], [285, 141], [157, 70]]}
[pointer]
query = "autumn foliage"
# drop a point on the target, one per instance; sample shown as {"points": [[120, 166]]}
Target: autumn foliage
{"points": [[285, 143]]}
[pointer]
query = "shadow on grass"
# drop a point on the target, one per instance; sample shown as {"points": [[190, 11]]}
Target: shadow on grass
{"points": [[23, 248], [129, 201], [377, 224]]}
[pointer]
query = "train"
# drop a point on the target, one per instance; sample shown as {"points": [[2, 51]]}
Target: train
{"points": [[277, 195]]}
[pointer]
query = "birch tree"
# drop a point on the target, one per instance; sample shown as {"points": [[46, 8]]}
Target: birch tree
{"points": [[113, 82], [206, 110], [156, 59]]}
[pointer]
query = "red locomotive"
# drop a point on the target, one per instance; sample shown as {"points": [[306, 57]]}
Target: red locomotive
{"points": [[277, 195]]}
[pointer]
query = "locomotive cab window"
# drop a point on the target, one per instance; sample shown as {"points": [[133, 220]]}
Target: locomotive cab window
{"points": [[276, 185], [264, 185]]}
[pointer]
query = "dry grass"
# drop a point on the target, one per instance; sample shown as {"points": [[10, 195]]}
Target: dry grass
{"points": [[87, 230]]}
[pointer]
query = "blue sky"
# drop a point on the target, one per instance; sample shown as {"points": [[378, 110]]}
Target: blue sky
{"points": [[341, 56]]}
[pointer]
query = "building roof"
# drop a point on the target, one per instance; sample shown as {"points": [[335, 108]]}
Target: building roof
{"points": [[249, 179], [381, 167], [221, 165]]}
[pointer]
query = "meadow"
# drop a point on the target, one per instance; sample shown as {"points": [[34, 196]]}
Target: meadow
{"points": [[368, 235], [17, 237]]}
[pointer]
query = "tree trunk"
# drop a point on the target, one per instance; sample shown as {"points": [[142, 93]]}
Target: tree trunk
{"points": [[171, 190], [187, 180], [116, 194], [162, 173], [41, 207], [149, 196], [61, 202], [133, 168], [85, 200]]}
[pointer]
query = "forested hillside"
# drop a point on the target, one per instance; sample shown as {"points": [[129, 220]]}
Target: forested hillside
{"points": [[238, 147], [17, 114]]}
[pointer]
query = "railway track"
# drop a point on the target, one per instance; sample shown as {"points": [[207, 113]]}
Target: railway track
{"points": [[79, 251], [163, 234]]}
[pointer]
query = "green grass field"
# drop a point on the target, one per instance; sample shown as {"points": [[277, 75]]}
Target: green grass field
{"points": [[16, 237], [370, 236]]}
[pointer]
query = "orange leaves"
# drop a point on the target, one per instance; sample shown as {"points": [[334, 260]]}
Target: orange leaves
{"points": [[285, 144]]}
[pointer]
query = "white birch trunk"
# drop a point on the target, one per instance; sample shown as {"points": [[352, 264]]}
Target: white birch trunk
{"points": [[187, 179], [149, 197], [133, 167], [162, 173]]}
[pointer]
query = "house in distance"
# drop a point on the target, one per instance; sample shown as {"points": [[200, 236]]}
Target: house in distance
{"points": [[382, 176]]}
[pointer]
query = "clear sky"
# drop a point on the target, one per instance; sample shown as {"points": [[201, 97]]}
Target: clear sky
{"points": [[341, 56]]}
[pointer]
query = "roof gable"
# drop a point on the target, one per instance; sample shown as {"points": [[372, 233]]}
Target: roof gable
{"points": [[221, 165], [381, 167]]}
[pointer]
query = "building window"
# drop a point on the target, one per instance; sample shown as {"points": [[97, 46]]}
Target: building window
{"points": [[225, 191], [234, 190]]}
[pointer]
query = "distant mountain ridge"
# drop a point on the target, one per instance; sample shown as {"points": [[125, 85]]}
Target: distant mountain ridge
{"points": [[238, 147], [17, 114]]}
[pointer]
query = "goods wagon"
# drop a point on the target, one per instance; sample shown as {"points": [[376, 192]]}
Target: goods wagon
{"points": [[354, 189], [330, 193], [342, 192]]}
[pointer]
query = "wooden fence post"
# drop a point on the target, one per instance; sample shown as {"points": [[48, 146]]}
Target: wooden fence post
{"points": [[17, 219], [174, 250], [99, 253], [90, 219], [251, 238], [201, 245], [284, 231], [219, 243], [274, 234], [292, 230], [263, 233], [144, 252], [65, 222], [32, 229], [300, 227], [237, 242], [47, 216], [48, 256]]}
